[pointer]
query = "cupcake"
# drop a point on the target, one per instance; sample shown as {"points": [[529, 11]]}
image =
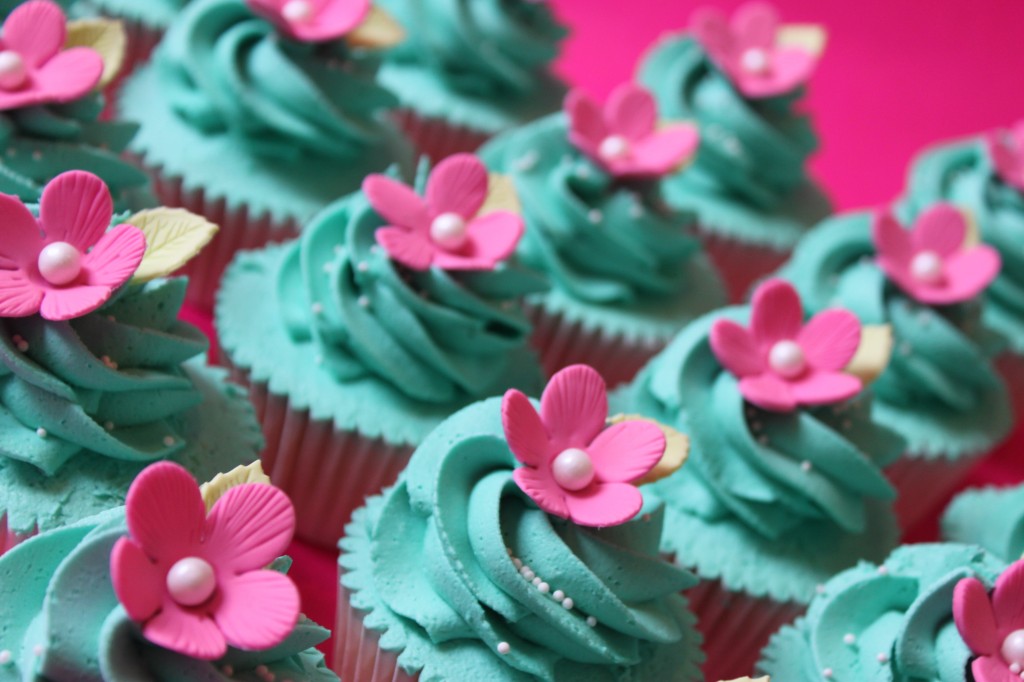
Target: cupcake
{"points": [[626, 273], [257, 118], [51, 101], [985, 176], [941, 391], [990, 517], [516, 547], [175, 585], [741, 80], [144, 21], [469, 69], [98, 378], [784, 486], [392, 311], [931, 612]]}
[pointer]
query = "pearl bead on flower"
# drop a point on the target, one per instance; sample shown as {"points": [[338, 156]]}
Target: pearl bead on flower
{"points": [[573, 469], [13, 73], [1013, 648], [60, 263], [191, 581], [298, 11], [614, 147], [448, 231], [786, 358], [755, 60], [926, 267]]}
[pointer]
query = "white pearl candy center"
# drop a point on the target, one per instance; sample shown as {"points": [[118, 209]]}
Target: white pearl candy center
{"points": [[448, 231], [297, 11], [191, 581], [755, 60], [573, 469], [787, 359], [926, 267], [60, 263], [13, 73], [1013, 648], [614, 147]]}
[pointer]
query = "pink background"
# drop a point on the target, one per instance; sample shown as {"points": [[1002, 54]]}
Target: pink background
{"points": [[897, 75]]}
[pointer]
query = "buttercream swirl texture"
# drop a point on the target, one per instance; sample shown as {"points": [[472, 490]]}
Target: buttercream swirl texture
{"points": [[992, 518], [156, 14], [458, 517], [891, 623], [60, 620]]}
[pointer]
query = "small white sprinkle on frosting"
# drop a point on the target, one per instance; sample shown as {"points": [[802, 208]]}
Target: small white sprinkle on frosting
{"points": [[504, 648], [38, 650], [5, 657], [883, 657], [41, 432], [567, 604], [595, 216], [363, 266], [544, 588], [317, 308], [883, 570], [849, 638], [558, 595], [591, 621], [827, 673], [805, 465], [169, 441], [364, 301]]}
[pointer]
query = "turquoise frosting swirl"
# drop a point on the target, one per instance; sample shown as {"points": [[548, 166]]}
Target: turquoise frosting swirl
{"points": [[940, 389], [436, 336], [60, 620], [432, 562], [900, 619], [990, 517], [156, 14], [963, 174]]}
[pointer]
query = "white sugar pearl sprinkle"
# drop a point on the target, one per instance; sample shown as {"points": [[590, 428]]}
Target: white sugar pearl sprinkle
{"points": [[849, 638], [558, 595], [504, 648], [591, 621], [41, 432], [567, 604]]}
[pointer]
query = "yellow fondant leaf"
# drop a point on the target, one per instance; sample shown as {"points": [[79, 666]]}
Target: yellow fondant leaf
{"points": [[677, 448], [379, 30], [107, 37], [501, 195], [972, 237], [810, 38], [173, 237], [214, 489], [872, 356]]}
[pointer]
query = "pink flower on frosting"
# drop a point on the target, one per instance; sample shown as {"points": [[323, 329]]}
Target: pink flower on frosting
{"points": [[780, 361], [575, 468], [444, 228], [34, 66], [195, 582], [932, 262], [993, 627], [65, 263], [1006, 150], [314, 20], [624, 137], [747, 49]]}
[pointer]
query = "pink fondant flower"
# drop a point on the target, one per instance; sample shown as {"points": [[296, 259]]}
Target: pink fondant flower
{"points": [[780, 361], [624, 137], [443, 228], [313, 20], [34, 66], [197, 582], [66, 263], [575, 468], [931, 262], [993, 628], [1006, 150], [748, 51]]}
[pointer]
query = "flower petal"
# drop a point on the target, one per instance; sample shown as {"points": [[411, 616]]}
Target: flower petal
{"points": [[941, 229], [776, 314], [711, 29], [75, 207], [825, 388], [631, 112], [524, 431], [755, 24], [661, 152], [36, 30], [542, 489], [67, 303], [165, 512], [396, 203], [735, 349], [189, 632], [587, 128], [1006, 157], [626, 451], [247, 528], [457, 185], [332, 21], [790, 67], [19, 297], [972, 613], [138, 582], [257, 610], [574, 407], [968, 273], [490, 239], [604, 504], [769, 392], [116, 257], [830, 339], [22, 240], [411, 249], [892, 242], [69, 75], [992, 669], [1007, 606]]}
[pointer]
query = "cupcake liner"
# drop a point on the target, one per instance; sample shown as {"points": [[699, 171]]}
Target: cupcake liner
{"points": [[327, 472], [357, 654], [735, 626], [435, 137], [923, 484], [739, 265], [8, 538], [561, 342]]}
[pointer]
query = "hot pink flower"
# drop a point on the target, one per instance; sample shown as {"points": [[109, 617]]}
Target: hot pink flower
{"points": [[197, 582], [34, 66], [747, 49], [443, 229], [66, 263], [624, 137], [313, 20], [993, 628], [1006, 150], [931, 262], [782, 362], [575, 467]]}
